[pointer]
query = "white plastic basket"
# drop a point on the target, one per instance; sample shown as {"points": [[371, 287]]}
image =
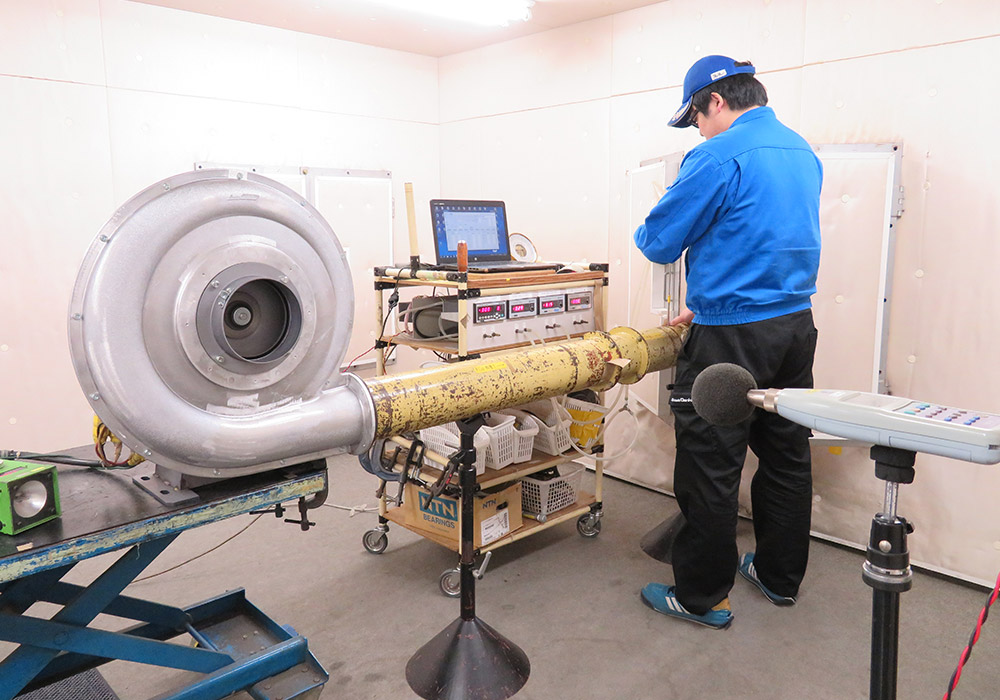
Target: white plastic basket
{"points": [[441, 439], [540, 498], [494, 441], [553, 426], [525, 430]]}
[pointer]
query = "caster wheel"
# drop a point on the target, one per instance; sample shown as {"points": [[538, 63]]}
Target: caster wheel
{"points": [[451, 583], [375, 541], [588, 526]]}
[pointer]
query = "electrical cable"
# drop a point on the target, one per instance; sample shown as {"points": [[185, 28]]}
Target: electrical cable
{"points": [[967, 652], [604, 458], [58, 459], [102, 435], [363, 508], [199, 556], [351, 363], [393, 301], [352, 509]]}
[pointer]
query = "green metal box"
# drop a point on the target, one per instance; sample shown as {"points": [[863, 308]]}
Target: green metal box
{"points": [[29, 495]]}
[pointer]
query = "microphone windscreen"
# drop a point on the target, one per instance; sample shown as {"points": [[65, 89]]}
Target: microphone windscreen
{"points": [[719, 394]]}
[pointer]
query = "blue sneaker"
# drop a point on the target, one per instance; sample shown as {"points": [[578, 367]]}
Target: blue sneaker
{"points": [[661, 598], [748, 572]]}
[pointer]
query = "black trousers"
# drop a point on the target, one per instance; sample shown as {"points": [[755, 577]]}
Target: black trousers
{"points": [[779, 353]]}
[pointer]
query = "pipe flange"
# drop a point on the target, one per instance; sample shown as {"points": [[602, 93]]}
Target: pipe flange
{"points": [[210, 291]]}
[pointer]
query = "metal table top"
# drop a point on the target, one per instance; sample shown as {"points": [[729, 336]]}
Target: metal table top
{"points": [[103, 511]]}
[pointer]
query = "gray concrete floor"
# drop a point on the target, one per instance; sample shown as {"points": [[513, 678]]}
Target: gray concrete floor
{"points": [[571, 603]]}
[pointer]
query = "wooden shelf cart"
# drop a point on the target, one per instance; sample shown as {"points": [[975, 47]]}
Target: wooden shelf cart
{"points": [[588, 508]]}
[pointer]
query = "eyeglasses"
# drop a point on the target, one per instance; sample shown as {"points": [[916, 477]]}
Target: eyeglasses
{"points": [[693, 118]]}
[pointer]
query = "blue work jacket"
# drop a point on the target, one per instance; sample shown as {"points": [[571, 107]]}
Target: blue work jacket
{"points": [[745, 205]]}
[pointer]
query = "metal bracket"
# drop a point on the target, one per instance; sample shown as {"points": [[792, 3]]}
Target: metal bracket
{"points": [[157, 484]]}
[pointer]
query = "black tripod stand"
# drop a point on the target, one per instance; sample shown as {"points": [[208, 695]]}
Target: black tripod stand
{"points": [[887, 568], [468, 659]]}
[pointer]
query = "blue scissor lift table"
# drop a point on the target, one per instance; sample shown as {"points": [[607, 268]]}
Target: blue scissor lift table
{"points": [[239, 648]]}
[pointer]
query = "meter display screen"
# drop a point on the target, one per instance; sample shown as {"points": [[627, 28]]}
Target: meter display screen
{"points": [[552, 305], [489, 313], [578, 301], [522, 307]]}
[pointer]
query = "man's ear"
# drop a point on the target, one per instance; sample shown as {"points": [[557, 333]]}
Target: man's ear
{"points": [[718, 102]]}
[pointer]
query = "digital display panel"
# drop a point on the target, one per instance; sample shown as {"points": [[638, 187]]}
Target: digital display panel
{"points": [[520, 308], [552, 304], [488, 313]]}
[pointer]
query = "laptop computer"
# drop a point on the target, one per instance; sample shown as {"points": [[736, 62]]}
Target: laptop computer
{"points": [[482, 225]]}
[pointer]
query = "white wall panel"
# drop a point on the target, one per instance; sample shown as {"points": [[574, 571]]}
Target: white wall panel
{"points": [[550, 166], [570, 64], [946, 245], [154, 136], [411, 151], [941, 337], [54, 39], [337, 76], [55, 193], [462, 158], [156, 49], [835, 30], [655, 45]]}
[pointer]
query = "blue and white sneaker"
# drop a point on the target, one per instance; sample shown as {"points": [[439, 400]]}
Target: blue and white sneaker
{"points": [[748, 572], [661, 598]]}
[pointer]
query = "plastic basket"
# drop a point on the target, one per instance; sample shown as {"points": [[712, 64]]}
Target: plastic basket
{"points": [[525, 430], [499, 444], [441, 439], [587, 420], [542, 497], [553, 426]]}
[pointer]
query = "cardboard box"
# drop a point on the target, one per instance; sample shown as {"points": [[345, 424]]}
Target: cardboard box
{"points": [[496, 514]]}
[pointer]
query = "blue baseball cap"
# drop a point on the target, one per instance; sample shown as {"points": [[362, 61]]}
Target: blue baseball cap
{"points": [[703, 73]]}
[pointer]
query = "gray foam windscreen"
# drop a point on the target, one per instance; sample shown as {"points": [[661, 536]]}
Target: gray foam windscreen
{"points": [[719, 394]]}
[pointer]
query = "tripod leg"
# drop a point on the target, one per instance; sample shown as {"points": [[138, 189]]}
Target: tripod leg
{"points": [[885, 644]]}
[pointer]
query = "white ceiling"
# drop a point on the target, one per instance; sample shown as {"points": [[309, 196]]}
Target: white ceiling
{"points": [[370, 23]]}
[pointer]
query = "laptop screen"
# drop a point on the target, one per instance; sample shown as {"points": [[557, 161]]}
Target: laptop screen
{"points": [[481, 224]]}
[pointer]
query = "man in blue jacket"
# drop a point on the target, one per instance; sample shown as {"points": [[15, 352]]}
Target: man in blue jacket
{"points": [[745, 208]]}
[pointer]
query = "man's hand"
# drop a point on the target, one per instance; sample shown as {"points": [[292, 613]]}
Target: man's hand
{"points": [[686, 316]]}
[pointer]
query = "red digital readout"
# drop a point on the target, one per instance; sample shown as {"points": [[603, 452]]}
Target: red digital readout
{"points": [[575, 302], [548, 304], [517, 308]]}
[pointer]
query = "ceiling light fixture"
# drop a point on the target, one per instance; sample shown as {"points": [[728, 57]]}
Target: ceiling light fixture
{"points": [[497, 13]]}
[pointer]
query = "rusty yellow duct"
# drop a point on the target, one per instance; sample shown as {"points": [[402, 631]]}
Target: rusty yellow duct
{"points": [[413, 400]]}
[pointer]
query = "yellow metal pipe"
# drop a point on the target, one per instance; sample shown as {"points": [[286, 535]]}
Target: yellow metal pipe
{"points": [[413, 400]]}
